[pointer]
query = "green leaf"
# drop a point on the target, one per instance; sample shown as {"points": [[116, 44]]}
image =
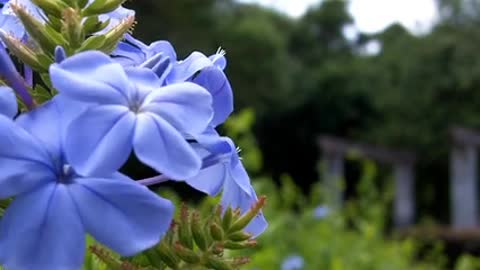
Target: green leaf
{"points": [[4, 204], [82, 3], [55, 36], [55, 23], [46, 79], [40, 94]]}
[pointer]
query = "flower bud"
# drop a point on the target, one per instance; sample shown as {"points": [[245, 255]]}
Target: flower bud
{"points": [[184, 232], [217, 232], [24, 53], [198, 233], [239, 236], [240, 261], [241, 245], [154, 258], [245, 219], [218, 249], [170, 235], [186, 254], [227, 219], [218, 264], [116, 34], [128, 266], [46, 37], [106, 257], [51, 7], [72, 27], [167, 256], [60, 54]]}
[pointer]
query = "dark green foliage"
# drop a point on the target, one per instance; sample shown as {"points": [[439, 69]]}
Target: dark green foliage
{"points": [[351, 238]]}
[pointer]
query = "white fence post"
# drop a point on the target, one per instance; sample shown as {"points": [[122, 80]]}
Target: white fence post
{"points": [[404, 201], [333, 175], [463, 186]]}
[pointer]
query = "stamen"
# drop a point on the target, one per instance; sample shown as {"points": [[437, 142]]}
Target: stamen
{"points": [[67, 169], [221, 51], [154, 180]]}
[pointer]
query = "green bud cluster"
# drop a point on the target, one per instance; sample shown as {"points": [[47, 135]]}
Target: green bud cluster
{"points": [[195, 243], [72, 24]]}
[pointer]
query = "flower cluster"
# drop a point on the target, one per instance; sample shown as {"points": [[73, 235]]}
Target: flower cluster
{"points": [[102, 96]]}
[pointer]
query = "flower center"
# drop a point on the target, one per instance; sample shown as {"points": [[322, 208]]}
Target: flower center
{"points": [[66, 174], [135, 100], [134, 107]]}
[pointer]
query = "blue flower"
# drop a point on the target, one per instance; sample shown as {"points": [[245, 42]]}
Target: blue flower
{"points": [[54, 208], [195, 62], [10, 75], [205, 71], [224, 171], [133, 52], [160, 56], [321, 211], [208, 73], [8, 102], [10, 24], [132, 111], [293, 262]]}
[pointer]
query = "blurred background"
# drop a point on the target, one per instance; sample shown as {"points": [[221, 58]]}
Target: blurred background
{"points": [[388, 83]]}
